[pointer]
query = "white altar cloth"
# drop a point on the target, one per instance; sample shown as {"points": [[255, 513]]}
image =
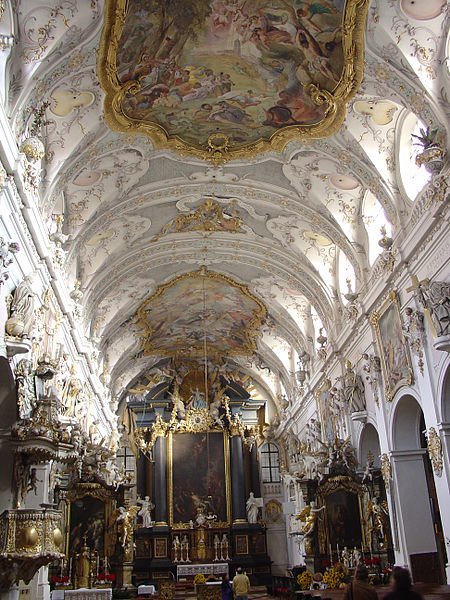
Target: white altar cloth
{"points": [[57, 595], [88, 594], [147, 590], [207, 569]]}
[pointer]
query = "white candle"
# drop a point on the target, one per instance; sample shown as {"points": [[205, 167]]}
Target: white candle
{"points": [[338, 555], [331, 555], [70, 568], [98, 563]]}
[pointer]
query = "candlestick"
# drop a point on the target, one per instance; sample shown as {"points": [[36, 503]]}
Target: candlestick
{"points": [[338, 554], [70, 568], [331, 554]]}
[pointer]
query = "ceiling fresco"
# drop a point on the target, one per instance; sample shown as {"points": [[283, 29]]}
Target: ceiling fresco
{"points": [[231, 75], [199, 314], [286, 226]]}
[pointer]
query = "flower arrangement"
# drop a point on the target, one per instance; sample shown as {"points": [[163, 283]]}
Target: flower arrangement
{"points": [[304, 580], [333, 577], [199, 579]]}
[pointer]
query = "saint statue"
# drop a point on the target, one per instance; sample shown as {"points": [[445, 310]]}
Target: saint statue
{"points": [[252, 509], [83, 567], [379, 515], [353, 389], [22, 309], [26, 390], [71, 390], [146, 511]]}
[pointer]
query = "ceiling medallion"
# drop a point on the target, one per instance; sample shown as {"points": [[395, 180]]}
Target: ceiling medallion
{"points": [[201, 310], [224, 80]]}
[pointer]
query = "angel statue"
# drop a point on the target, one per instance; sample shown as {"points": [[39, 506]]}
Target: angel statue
{"points": [[379, 514], [308, 517], [124, 518]]}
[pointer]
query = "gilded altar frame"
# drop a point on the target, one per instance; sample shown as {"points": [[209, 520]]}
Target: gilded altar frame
{"points": [[347, 485], [170, 490], [394, 352], [333, 101], [97, 492]]}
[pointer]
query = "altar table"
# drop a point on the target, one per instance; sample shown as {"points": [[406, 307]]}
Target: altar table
{"points": [[88, 594], [207, 569], [146, 590]]}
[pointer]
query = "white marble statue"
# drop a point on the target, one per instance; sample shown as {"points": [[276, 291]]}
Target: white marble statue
{"points": [[146, 512], [252, 509], [22, 309]]}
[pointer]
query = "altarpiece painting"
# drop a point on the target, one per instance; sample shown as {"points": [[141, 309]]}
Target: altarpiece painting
{"points": [[199, 476], [395, 358]]}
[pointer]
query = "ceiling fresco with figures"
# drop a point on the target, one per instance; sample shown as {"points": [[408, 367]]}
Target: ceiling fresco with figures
{"points": [[230, 74], [200, 314], [292, 236]]}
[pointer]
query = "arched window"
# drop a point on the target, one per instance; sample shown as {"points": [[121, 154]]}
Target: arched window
{"points": [[270, 463]]}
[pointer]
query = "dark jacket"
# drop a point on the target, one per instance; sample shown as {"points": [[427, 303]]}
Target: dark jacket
{"points": [[227, 590]]}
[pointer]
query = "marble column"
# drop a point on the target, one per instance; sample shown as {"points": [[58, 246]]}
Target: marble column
{"points": [[141, 475], [237, 480], [256, 485], [160, 480]]}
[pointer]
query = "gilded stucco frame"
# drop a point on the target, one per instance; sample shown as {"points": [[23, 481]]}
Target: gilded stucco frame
{"points": [[226, 454], [391, 302], [92, 490], [353, 27], [251, 332], [337, 484]]}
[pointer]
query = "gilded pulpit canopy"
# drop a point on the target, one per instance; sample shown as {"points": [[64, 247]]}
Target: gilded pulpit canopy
{"points": [[228, 76]]}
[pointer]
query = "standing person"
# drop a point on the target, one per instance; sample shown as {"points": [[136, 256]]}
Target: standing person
{"points": [[402, 586], [227, 590], [359, 588], [241, 585]]}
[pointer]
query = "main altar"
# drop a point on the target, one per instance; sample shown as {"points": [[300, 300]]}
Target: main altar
{"points": [[200, 474]]}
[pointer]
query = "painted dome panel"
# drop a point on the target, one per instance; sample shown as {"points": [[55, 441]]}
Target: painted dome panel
{"points": [[223, 76]]}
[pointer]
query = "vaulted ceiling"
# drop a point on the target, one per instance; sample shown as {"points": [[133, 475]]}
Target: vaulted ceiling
{"points": [[286, 227]]}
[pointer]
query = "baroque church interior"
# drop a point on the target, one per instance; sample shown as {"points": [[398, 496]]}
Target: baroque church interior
{"points": [[224, 294]]}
